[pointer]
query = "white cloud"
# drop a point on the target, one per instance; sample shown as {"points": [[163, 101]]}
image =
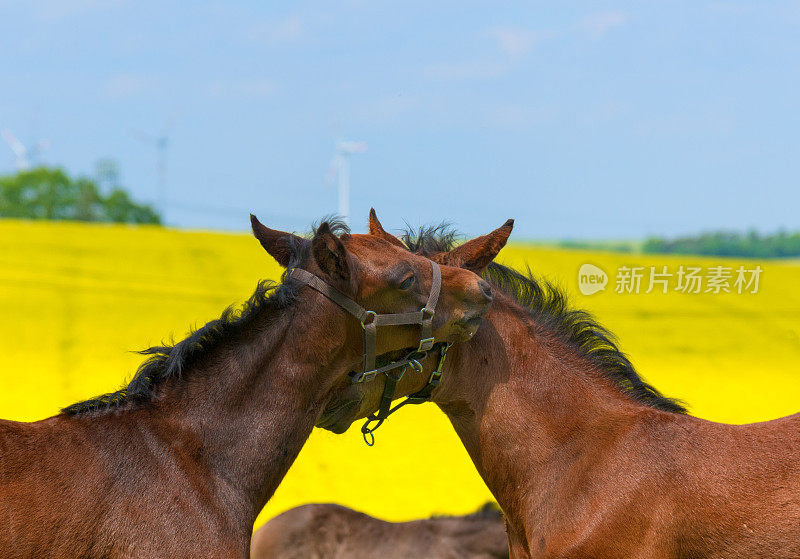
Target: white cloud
{"points": [[470, 70], [287, 30], [385, 109], [732, 8], [513, 41], [601, 23], [520, 117], [689, 122], [256, 88], [58, 9], [126, 85]]}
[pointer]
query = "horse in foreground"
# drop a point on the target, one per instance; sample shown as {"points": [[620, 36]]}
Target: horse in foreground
{"points": [[585, 458], [180, 462], [326, 530]]}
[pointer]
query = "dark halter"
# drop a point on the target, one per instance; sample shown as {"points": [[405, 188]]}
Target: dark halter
{"points": [[370, 320]]}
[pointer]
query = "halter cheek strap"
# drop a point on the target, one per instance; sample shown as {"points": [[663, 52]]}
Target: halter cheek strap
{"points": [[370, 321]]}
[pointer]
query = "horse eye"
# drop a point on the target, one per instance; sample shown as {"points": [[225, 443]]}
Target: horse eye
{"points": [[406, 283]]}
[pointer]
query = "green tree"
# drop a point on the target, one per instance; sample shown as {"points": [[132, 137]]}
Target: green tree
{"points": [[46, 193], [730, 243], [120, 208]]}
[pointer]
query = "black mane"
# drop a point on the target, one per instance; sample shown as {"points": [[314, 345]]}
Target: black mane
{"points": [[549, 306], [172, 361]]}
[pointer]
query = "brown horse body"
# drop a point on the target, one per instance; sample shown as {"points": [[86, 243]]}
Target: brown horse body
{"points": [[180, 462], [145, 482], [586, 459], [581, 469], [321, 531]]}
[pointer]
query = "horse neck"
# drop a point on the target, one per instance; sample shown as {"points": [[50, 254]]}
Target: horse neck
{"points": [[252, 403], [526, 406]]}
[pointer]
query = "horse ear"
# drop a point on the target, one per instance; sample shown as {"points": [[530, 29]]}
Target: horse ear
{"points": [[329, 253], [277, 243], [476, 254], [375, 228]]}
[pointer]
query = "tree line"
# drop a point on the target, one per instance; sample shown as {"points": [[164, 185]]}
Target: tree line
{"points": [[50, 193], [752, 244]]}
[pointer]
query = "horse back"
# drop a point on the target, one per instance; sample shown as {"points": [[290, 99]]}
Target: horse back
{"points": [[328, 530], [101, 487], [745, 488], [687, 487], [47, 488]]}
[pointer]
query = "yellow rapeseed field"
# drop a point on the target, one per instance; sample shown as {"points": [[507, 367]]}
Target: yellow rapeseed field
{"points": [[77, 298]]}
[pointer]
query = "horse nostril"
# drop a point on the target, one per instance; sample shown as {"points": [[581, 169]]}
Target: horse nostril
{"points": [[486, 290]]}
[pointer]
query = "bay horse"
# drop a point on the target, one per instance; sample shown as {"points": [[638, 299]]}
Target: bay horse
{"points": [[586, 459], [327, 530], [180, 461]]}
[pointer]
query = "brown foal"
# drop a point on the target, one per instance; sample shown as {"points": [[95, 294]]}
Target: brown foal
{"points": [[180, 462], [327, 530], [585, 458]]}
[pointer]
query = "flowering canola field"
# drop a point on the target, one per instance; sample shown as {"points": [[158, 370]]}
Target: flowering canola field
{"points": [[77, 298]]}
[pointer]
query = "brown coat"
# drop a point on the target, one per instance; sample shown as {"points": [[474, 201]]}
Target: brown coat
{"points": [[322, 531]]}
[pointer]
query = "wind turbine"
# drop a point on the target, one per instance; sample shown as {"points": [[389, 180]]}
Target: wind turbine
{"points": [[25, 155], [161, 143], [340, 166]]}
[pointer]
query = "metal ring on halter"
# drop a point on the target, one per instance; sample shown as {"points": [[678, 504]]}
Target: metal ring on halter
{"points": [[371, 440], [416, 355], [372, 315]]}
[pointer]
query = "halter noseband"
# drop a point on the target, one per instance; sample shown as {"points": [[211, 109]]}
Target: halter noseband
{"points": [[370, 320]]}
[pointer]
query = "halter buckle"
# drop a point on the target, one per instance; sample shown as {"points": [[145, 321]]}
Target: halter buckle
{"points": [[358, 378], [436, 374], [425, 344]]}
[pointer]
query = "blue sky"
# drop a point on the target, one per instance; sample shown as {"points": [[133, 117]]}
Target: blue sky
{"points": [[579, 119]]}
